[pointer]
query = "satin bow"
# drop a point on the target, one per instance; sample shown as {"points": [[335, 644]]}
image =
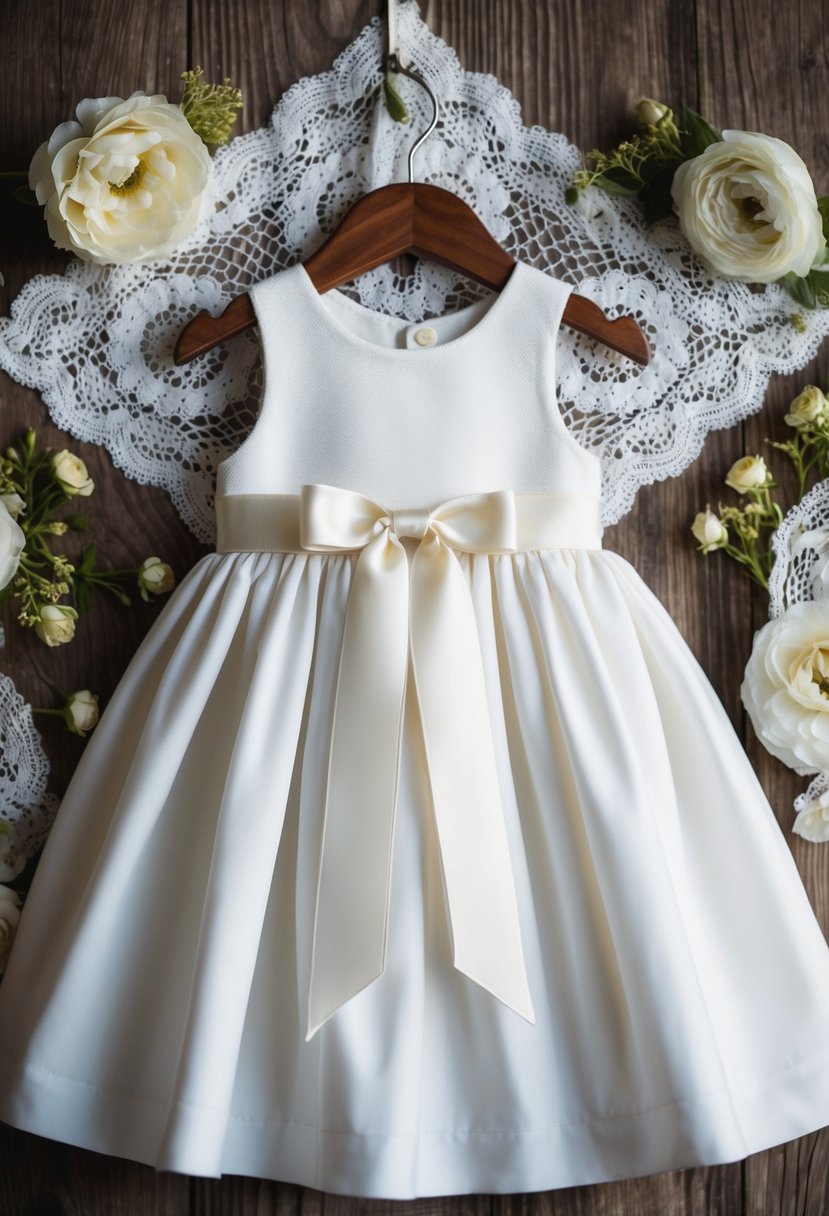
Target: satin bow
{"points": [[429, 611]]}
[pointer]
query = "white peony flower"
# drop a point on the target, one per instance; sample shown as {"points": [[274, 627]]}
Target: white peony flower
{"points": [[786, 687], [125, 183], [14, 504], [809, 406], [12, 542], [71, 472], [82, 711], [155, 576], [56, 624], [748, 473], [709, 530], [9, 920], [747, 206]]}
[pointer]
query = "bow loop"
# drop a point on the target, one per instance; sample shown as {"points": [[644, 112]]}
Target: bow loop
{"points": [[428, 613]]}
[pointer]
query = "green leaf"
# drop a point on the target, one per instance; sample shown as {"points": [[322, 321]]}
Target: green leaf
{"points": [[624, 183], [823, 208], [81, 593], [394, 102], [26, 196], [698, 133], [76, 522], [799, 288], [656, 199], [87, 560]]}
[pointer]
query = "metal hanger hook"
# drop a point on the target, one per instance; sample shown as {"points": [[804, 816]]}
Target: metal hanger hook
{"points": [[395, 65]]}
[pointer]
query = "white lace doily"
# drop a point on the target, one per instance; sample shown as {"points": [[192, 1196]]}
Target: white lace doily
{"points": [[801, 548], [25, 804], [801, 572], [97, 342]]}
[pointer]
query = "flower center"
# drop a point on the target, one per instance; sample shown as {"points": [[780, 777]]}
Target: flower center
{"points": [[749, 206], [820, 672], [130, 183]]}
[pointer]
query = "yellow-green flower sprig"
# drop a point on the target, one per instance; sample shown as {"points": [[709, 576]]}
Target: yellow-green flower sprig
{"points": [[746, 532], [644, 165], [211, 109], [34, 485]]}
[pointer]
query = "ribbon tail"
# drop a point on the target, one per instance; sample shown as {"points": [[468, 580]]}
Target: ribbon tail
{"points": [[472, 835], [351, 918]]}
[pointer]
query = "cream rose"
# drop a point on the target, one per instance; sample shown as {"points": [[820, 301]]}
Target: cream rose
{"points": [[125, 183], [155, 576], [12, 542], [82, 712], [786, 687], [71, 472], [709, 530], [809, 406], [9, 920], [747, 206], [56, 624], [748, 473]]}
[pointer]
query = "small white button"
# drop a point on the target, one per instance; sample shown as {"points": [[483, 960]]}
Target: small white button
{"points": [[425, 336]]}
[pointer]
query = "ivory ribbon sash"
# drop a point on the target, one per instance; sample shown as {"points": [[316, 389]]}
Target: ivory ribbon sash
{"points": [[423, 610]]}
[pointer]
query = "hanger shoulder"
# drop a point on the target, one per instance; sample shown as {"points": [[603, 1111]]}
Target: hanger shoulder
{"points": [[203, 332], [622, 334]]}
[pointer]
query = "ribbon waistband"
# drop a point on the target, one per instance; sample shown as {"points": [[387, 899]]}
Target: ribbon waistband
{"points": [[269, 523], [421, 610]]}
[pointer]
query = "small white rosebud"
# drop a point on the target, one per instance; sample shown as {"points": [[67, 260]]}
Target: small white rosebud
{"points": [[156, 577], [71, 472], [748, 473], [709, 530], [81, 712], [56, 624], [650, 112], [809, 406]]}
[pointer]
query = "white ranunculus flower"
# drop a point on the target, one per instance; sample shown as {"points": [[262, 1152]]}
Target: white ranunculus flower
{"points": [[12, 542], [747, 473], [786, 687], [56, 624], [14, 504], [72, 474], [747, 205], [125, 183], [709, 530], [82, 712], [809, 406], [650, 112], [9, 920]]}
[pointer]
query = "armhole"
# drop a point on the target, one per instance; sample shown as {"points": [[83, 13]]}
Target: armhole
{"points": [[224, 468], [552, 348]]}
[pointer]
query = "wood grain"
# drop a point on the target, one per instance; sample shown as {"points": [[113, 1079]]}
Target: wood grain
{"points": [[576, 66]]}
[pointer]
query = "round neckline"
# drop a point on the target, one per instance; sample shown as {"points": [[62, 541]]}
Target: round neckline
{"points": [[333, 323]]}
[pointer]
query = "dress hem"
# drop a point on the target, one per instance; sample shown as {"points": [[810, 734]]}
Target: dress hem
{"points": [[714, 1128]]}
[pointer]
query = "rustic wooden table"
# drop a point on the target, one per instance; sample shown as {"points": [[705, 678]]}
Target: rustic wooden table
{"points": [[576, 66]]}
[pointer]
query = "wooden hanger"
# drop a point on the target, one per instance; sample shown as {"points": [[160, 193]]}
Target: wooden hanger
{"points": [[411, 217]]}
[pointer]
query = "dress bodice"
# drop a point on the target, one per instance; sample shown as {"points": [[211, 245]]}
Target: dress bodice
{"points": [[409, 414]]}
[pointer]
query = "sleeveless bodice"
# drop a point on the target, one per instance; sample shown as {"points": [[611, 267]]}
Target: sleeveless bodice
{"points": [[410, 414]]}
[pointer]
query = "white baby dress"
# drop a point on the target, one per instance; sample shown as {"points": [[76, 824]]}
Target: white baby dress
{"points": [[414, 854]]}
